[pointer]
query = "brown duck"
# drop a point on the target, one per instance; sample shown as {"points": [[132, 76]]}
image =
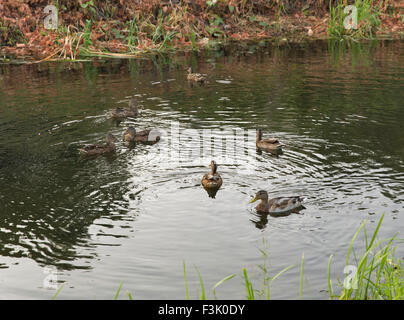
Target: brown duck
{"points": [[97, 149], [212, 180], [144, 136], [268, 144], [197, 77], [277, 205], [120, 112]]}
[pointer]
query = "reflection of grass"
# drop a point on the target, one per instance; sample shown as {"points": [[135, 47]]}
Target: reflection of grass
{"points": [[360, 53]]}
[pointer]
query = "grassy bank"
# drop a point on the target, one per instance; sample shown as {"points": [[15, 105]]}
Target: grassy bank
{"points": [[116, 28]]}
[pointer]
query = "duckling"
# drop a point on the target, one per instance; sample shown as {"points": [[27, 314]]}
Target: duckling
{"points": [[269, 144], [144, 136], [97, 149], [277, 205], [132, 111], [197, 77], [212, 180]]}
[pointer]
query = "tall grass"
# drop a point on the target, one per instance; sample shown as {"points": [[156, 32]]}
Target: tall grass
{"points": [[203, 294], [301, 278], [379, 274], [367, 19], [250, 292]]}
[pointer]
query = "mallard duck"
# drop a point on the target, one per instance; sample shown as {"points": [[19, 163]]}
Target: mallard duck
{"points": [[269, 144], [120, 112], [144, 136], [277, 205], [197, 77], [97, 149], [212, 180]]}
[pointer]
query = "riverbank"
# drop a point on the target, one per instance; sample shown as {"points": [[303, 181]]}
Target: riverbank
{"points": [[116, 28]]}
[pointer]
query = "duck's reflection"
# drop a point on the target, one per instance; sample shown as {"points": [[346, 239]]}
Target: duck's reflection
{"points": [[261, 218], [212, 192]]}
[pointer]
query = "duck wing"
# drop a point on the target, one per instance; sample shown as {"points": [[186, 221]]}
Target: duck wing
{"points": [[90, 147], [214, 177], [283, 204], [143, 133], [270, 140]]}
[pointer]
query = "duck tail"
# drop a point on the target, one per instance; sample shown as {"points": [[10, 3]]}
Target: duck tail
{"points": [[302, 198]]}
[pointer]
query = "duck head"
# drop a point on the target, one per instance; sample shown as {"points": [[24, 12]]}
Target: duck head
{"points": [[261, 195], [110, 139], [133, 104], [213, 166], [259, 134], [130, 133]]}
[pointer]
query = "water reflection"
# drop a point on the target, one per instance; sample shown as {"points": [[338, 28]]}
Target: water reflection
{"points": [[340, 122], [211, 192], [260, 219]]}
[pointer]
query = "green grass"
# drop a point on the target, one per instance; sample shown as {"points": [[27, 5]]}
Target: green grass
{"points": [[379, 274], [367, 20], [203, 295], [132, 39], [301, 278], [118, 291], [87, 34]]}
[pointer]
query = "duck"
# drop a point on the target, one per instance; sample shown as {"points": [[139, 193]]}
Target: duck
{"points": [[144, 136], [197, 77], [120, 112], [97, 149], [277, 205], [268, 144], [212, 180]]}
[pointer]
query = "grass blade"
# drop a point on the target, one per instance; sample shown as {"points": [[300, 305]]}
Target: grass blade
{"points": [[119, 290], [248, 285], [57, 292], [352, 241], [186, 283], [301, 279], [220, 282], [203, 296], [330, 290]]}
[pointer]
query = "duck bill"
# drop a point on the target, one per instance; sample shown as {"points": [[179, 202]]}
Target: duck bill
{"points": [[253, 200]]}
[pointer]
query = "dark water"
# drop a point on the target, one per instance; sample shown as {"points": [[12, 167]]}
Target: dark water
{"points": [[137, 215]]}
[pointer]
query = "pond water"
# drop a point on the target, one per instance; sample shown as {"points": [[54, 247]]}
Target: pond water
{"points": [[136, 216]]}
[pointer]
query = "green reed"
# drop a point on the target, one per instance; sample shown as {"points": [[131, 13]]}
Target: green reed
{"points": [[367, 20], [379, 274]]}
